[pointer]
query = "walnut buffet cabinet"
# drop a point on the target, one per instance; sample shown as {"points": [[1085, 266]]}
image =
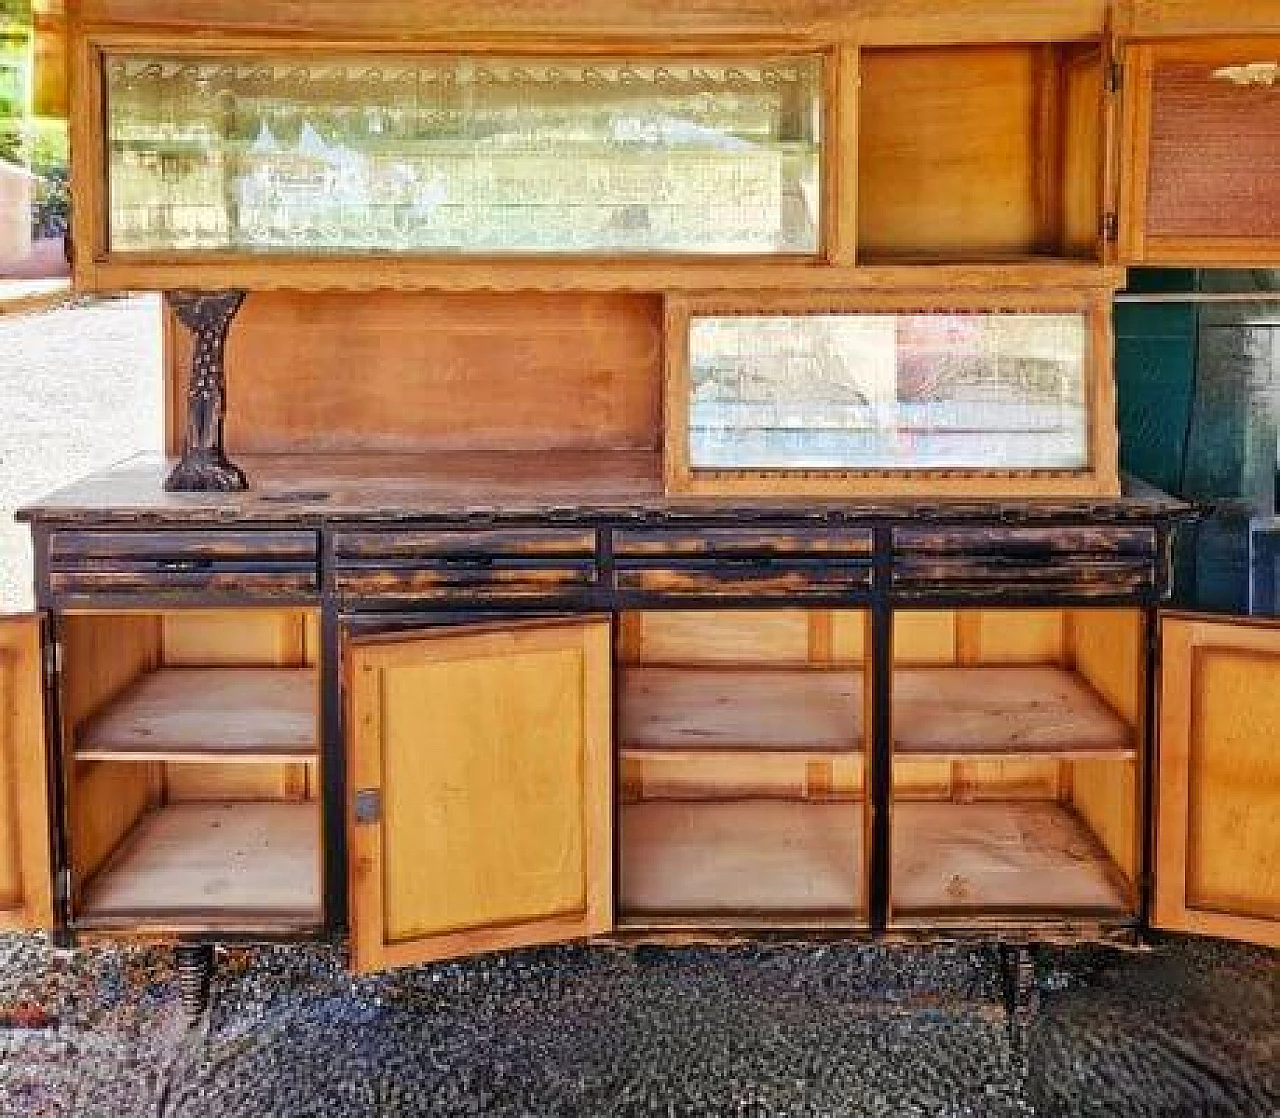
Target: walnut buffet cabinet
{"points": [[647, 472]]}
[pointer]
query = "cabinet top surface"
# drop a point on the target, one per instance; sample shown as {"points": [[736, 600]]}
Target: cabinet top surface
{"points": [[511, 486]]}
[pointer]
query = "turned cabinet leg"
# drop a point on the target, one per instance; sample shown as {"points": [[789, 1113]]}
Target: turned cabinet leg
{"points": [[204, 467], [1022, 998], [195, 973]]}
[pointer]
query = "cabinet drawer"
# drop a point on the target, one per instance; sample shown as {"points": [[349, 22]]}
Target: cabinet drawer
{"points": [[636, 546], [1068, 563], [215, 565], [458, 566], [753, 564]]}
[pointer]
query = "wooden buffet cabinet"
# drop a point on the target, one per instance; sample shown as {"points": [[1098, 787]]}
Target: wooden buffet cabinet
{"points": [[640, 474]]}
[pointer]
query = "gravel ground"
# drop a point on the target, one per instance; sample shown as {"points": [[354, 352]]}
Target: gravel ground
{"points": [[1191, 1028], [79, 390]]}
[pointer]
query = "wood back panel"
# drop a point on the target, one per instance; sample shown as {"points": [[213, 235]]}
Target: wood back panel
{"points": [[252, 638], [979, 636], [957, 149], [413, 372], [102, 655], [774, 637]]}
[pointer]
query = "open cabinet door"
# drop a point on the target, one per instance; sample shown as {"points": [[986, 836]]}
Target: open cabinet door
{"points": [[479, 789], [26, 880], [1218, 814]]}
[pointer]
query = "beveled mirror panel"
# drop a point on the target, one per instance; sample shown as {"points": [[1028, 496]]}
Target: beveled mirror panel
{"points": [[871, 391], [447, 154]]}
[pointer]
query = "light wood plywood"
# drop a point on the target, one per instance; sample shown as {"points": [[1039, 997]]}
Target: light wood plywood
{"points": [[744, 857], [1218, 818], [25, 872], [1008, 710], [806, 709], [218, 861], [489, 751], [209, 713], [998, 857]]}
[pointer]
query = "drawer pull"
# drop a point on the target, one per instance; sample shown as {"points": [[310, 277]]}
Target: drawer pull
{"points": [[184, 566], [466, 562]]}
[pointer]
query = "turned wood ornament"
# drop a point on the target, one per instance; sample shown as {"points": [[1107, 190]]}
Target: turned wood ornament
{"points": [[204, 466]]}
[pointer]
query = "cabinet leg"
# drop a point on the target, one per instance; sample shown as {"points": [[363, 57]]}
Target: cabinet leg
{"points": [[1022, 999], [195, 971]]}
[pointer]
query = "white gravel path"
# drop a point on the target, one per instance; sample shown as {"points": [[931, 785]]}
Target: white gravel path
{"points": [[79, 389]]}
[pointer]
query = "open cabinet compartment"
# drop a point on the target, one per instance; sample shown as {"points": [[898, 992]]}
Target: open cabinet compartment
{"points": [[1017, 759], [192, 775], [981, 152], [740, 739]]}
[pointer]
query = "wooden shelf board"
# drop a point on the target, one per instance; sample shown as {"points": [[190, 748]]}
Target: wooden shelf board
{"points": [[256, 860], [1000, 857], [219, 714], [796, 709], [756, 857], [1006, 711]]}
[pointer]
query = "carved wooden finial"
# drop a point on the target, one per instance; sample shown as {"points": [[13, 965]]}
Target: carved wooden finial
{"points": [[204, 467]]}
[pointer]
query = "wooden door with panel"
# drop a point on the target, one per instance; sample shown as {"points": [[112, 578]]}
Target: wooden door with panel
{"points": [[1201, 176], [480, 788], [26, 879], [1217, 868]]}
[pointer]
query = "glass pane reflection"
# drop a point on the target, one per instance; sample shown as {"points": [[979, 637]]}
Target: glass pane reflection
{"points": [[889, 391], [453, 154]]}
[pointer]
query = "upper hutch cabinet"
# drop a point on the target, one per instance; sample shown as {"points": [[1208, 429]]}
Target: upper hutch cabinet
{"points": [[25, 867], [668, 165], [1202, 173]]}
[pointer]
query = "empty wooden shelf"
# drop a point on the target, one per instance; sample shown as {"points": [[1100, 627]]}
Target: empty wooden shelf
{"points": [[245, 862], [223, 714], [1003, 711], [999, 857], [750, 857], [802, 709]]}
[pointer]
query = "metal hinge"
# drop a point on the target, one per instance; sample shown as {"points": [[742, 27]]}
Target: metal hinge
{"points": [[369, 806], [1110, 227], [1115, 77], [62, 889], [53, 659]]}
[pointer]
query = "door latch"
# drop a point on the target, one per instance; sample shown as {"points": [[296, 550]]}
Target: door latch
{"points": [[369, 806]]}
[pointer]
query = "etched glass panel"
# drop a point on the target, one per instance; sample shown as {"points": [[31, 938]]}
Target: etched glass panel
{"points": [[449, 154], [889, 391]]}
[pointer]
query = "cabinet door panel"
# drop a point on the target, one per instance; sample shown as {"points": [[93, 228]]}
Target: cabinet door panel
{"points": [[25, 879], [1202, 127], [1218, 822], [480, 789]]}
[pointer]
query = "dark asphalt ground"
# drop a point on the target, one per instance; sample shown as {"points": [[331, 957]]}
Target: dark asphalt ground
{"points": [[1190, 1028]]}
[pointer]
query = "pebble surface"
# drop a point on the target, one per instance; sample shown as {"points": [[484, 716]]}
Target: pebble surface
{"points": [[1190, 1028]]}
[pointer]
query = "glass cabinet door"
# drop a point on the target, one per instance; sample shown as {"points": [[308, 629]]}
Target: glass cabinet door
{"points": [[894, 391], [449, 154]]}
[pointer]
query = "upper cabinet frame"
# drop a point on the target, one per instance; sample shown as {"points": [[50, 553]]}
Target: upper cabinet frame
{"points": [[1057, 249]]}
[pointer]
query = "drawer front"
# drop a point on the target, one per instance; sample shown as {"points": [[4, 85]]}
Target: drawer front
{"points": [[750, 581], [1027, 563], [636, 546], [752, 564], [222, 566], [457, 567]]}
